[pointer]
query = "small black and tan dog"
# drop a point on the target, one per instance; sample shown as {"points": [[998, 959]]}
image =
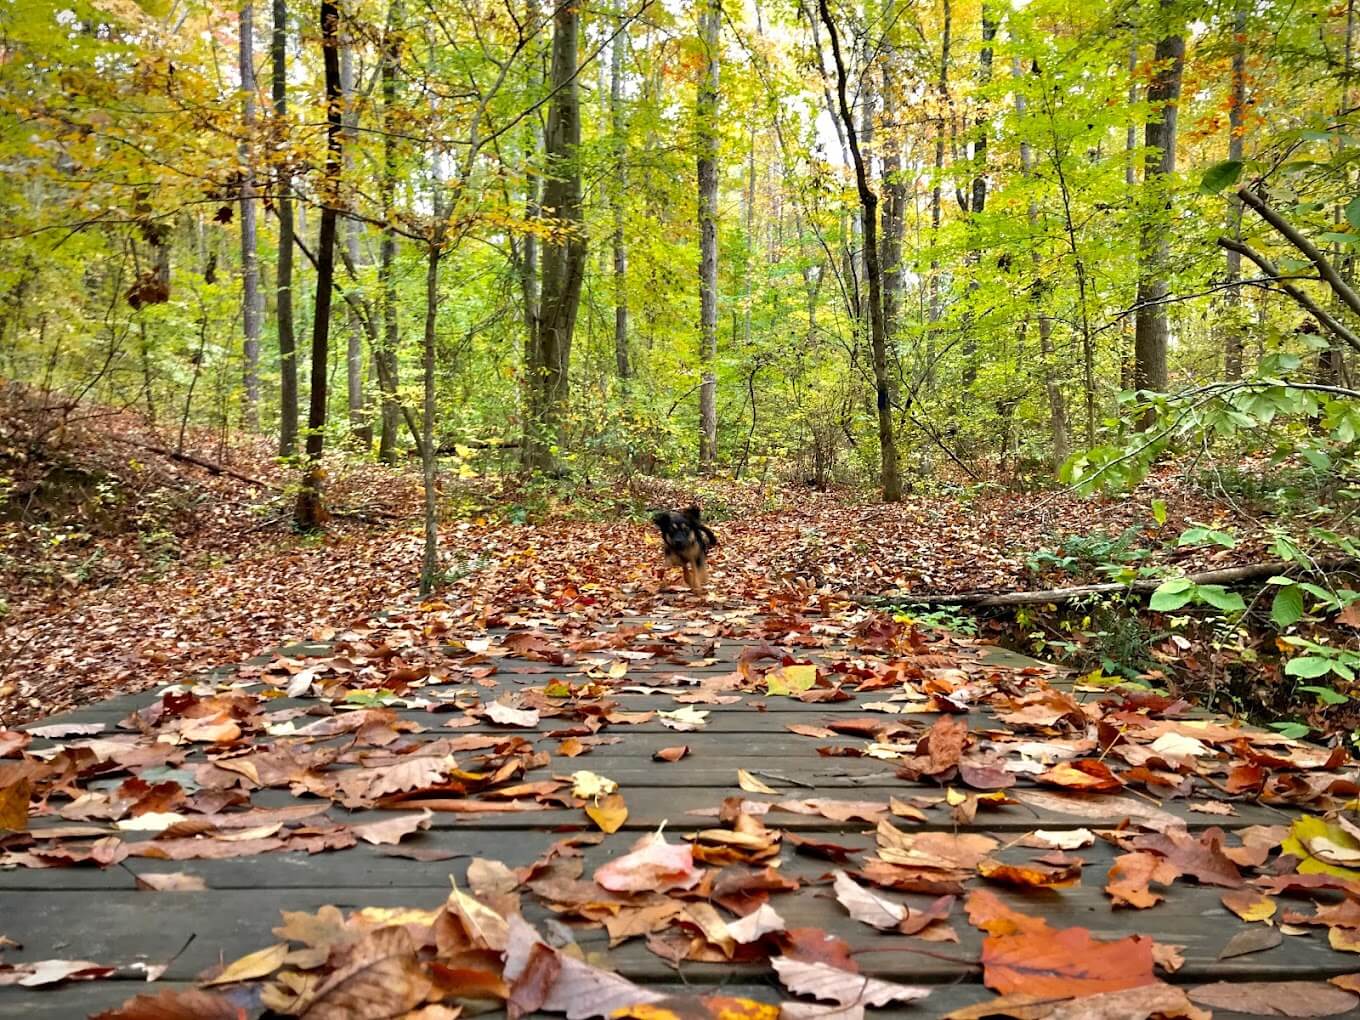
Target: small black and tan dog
{"points": [[687, 540]]}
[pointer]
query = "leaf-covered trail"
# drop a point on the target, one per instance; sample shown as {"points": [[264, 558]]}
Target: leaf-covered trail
{"points": [[774, 798]]}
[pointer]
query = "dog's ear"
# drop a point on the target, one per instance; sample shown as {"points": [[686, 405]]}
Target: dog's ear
{"points": [[659, 518], [692, 512]]}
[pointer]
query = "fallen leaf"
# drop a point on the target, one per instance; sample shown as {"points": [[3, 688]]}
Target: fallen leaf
{"points": [[671, 754], [172, 1004], [866, 907], [609, 813], [377, 976], [831, 984], [1248, 904], [1251, 940], [170, 882], [393, 830], [652, 866], [751, 784], [1276, 998], [258, 964]]}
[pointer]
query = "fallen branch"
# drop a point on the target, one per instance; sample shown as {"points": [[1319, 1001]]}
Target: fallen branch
{"points": [[1225, 576], [188, 458]]}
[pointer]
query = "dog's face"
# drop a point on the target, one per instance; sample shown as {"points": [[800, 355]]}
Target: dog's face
{"points": [[677, 529]]}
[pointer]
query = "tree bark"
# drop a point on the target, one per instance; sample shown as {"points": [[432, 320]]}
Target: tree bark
{"points": [[705, 116], [977, 199], [619, 195], [361, 432], [892, 484], [252, 311], [385, 356], [935, 305], [283, 292], [310, 512], [564, 255], [1057, 406], [429, 564], [894, 186], [1151, 328], [1235, 341]]}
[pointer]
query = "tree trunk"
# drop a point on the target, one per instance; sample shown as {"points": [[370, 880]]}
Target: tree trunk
{"points": [[706, 117], [894, 187], [385, 357], [361, 432], [1232, 355], [892, 485], [1057, 406], [618, 196], [564, 255], [429, 564], [310, 513], [1154, 245], [252, 310], [283, 294], [977, 198], [934, 306]]}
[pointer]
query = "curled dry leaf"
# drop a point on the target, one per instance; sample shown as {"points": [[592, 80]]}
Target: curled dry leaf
{"points": [[258, 964], [609, 812], [652, 865], [153, 881], [39, 973], [171, 1004], [831, 984], [751, 784], [671, 754], [393, 830], [866, 907], [377, 976]]}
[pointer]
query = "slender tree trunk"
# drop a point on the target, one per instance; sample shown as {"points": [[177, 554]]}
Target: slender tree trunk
{"points": [[1154, 248], [564, 255], [252, 310], [361, 432], [1057, 406], [618, 198], [310, 513], [892, 484], [934, 307], [706, 117], [283, 293], [1131, 183], [429, 564], [976, 200], [1331, 366], [385, 357], [1232, 360], [894, 187]]}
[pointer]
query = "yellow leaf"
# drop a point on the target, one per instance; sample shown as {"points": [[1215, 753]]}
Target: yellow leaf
{"points": [[1320, 845], [589, 786], [610, 813], [788, 680], [751, 784], [1344, 940], [258, 964]]}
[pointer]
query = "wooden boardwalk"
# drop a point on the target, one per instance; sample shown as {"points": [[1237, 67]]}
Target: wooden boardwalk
{"points": [[100, 915]]}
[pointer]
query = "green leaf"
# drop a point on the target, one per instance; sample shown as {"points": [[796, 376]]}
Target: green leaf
{"points": [[1220, 176], [1171, 595], [1332, 237], [1293, 730], [1308, 666], [1353, 212], [1287, 607], [1327, 695], [1221, 598], [1159, 511]]}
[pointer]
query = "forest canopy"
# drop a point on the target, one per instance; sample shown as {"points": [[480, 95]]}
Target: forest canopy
{"points": [[878, 244]]}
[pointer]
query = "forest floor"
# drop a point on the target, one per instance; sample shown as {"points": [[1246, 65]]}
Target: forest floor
{"points": [[127, 569], [603, 761]]}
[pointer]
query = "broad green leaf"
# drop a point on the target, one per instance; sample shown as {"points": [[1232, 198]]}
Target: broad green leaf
{"points": [[1292, 730], [1159, 511], [1220, 176], [1353, 212], [1220, 598], [1327, 695], [1167, 598], [1287, 607], [1308, 666]]}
